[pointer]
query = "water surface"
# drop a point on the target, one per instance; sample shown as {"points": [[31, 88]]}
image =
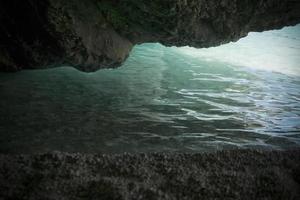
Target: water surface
{"points": [[239, 95]]}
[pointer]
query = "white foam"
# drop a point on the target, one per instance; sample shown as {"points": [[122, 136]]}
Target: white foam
{"points": [[277, 50]]}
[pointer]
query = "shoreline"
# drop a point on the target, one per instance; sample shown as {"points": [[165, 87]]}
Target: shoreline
{"points": [[229, 174]]}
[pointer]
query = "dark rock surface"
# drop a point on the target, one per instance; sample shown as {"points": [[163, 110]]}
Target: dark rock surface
{"points": [[94, 34], [235, 174]]}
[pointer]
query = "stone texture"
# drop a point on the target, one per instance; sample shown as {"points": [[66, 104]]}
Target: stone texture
{"points": [[235, 174], [94, 34]]}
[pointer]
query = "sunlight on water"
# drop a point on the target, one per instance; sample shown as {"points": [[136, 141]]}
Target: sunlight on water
{"points": [[239, 95], [277, 51]]}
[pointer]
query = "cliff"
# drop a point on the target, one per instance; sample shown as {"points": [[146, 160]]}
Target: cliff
{"points": [[94, 34]]}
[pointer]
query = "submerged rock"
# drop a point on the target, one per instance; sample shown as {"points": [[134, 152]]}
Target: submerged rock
{"points": [[94, 34], [235, 174]]}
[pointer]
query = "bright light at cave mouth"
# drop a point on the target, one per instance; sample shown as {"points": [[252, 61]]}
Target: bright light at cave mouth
{"points": [[239, 95], [277, 51]]}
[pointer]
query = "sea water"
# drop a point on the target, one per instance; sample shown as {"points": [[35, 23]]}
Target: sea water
{"points": [[163, 99]]}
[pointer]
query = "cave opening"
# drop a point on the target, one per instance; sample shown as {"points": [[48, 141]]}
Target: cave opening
{"points": [[163, 99]]}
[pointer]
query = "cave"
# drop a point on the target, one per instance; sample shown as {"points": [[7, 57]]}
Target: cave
{"points": [[138, 99]]}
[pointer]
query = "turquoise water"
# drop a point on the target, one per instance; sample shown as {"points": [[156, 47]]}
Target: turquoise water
{"points": [[239, 95]]}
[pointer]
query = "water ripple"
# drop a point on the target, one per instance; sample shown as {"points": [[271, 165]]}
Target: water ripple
{"points": [[161, 99]]}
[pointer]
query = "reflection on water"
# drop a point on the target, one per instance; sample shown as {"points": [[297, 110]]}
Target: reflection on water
{"points": [[162, 99]]}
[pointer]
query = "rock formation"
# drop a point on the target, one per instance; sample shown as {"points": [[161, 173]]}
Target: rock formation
{"points": [[236, 174], [94, 34]]}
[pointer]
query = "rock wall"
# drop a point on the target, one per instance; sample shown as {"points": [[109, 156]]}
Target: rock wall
{"points": [[94, 34]]}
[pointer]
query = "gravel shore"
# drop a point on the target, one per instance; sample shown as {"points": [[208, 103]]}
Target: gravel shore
{"points": [[235, 174]]}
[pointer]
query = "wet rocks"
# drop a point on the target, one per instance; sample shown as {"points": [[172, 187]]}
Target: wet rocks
{"points": [[235, 174]]}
